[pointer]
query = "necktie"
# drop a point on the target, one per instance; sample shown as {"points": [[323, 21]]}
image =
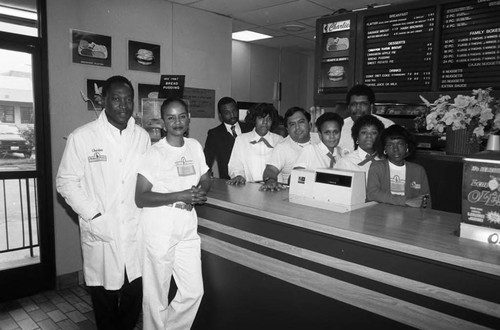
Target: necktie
{"points": [[233, 130], [367, 159], [262, 140], [332, 159]]}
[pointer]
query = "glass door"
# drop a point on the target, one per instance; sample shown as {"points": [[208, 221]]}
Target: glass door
{"points": [[26, 227]]}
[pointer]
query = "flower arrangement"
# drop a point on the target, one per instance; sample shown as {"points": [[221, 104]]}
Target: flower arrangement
{"points": [[476, 113]]}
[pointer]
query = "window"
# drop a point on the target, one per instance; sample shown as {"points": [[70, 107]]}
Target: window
{"points": [[27, 115], [7, 114]]}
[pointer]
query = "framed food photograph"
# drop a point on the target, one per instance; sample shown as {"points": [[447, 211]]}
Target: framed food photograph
{"points": [[90, 48], [143, 56]]}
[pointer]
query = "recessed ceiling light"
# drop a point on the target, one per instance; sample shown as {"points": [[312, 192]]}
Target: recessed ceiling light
{"points": [[293, 28], [249, 36]]}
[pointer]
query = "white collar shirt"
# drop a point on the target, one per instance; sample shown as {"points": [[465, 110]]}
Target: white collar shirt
{"points": [[350, 162], [346, 142], [97, 174], [315, 156], [249, 159], [285, 154]]}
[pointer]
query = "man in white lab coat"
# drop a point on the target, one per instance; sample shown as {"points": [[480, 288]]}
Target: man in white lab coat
{"points": [[97, 177]]}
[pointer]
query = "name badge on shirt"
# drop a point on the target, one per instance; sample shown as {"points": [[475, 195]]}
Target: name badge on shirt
{"points": [[185, 167], [415, 185], [97, 156]]}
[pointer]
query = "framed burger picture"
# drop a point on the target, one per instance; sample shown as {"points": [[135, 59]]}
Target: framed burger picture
{"points": [[143, 56]]}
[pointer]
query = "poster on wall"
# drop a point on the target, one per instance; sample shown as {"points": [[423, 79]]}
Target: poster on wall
{"points": [[94, 95], [143, 56], [201, 102], [90, 48]]}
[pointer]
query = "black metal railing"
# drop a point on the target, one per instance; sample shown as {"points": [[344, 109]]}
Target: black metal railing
{"points": [[19, 225]]}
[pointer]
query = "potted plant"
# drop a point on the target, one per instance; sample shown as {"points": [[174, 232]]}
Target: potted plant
{"points": [[465, 120]]}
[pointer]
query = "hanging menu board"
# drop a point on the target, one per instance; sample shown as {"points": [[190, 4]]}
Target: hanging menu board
{"points": [[470, 45], [398, 50], [337, 49]]}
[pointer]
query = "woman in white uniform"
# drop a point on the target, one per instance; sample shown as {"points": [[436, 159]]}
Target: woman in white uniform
{"points": [[364, 134], [172, 178]]}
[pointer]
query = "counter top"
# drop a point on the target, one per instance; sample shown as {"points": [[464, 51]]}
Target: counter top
{"points": [[423, 233]]}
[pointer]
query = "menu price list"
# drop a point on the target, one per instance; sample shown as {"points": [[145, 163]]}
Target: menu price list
{"points": [[399, 50], [470, 47]]}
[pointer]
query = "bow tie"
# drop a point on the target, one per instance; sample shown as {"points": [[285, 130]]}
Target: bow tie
{"points": [[332, 159], [262, 140], [368, 158]]}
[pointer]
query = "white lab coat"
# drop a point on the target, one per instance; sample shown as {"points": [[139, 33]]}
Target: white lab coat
{"points": [[98, 174]]}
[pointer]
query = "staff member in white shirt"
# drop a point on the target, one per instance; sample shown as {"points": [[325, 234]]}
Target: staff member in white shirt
{"points": [[360, 101], [327, 153], [97, 177], [252, 150], [285, 154]]}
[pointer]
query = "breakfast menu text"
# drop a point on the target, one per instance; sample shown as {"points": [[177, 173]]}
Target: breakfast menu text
{"points": [[470, 45], [398, 50]]}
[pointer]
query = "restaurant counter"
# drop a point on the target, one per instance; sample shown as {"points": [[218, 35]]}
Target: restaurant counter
{"points": [[272, 264]]}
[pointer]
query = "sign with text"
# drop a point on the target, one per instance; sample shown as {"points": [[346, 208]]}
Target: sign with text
{"points": [[201, 102], [171, 86]]}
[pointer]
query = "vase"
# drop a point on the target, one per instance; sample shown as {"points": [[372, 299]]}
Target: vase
{"points": [[461, 142]]}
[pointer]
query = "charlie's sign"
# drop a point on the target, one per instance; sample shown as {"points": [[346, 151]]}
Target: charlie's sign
{"points": [[336, 26]]}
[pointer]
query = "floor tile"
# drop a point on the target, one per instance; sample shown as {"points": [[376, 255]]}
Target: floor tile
{"points": [[47, 306], [65, 307], [27, 324], [57, 315], [48, 324], [76, 316], [39, 298], [8, 324], [87, 325], [38, 315], [68, 325], [19, 314]]}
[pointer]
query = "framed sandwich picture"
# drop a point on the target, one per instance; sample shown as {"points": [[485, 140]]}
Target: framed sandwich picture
{"points": [[143, 56], [90, 48]]}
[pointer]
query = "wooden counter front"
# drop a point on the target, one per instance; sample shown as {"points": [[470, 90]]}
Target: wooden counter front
{"points": [[272, 264]]}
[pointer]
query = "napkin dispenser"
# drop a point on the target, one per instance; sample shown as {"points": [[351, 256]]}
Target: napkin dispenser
{"points": [[331, 189]]}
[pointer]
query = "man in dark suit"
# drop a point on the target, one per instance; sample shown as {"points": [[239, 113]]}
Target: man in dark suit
{"points": [[220, 140]]}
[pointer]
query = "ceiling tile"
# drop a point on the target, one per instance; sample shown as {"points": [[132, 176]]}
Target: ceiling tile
{"points": [[232, 7], [240, 25], [283, 13], [278, 27], [185, 2]]}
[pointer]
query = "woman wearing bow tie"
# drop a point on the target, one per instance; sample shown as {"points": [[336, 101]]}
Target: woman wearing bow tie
{"points": [[252, 150], [364, 133]]}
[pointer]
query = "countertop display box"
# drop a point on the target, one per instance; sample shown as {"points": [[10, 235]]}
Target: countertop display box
{"points": [[481, 196]]}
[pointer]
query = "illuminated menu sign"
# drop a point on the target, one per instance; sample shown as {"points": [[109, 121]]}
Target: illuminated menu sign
{"points": [[470, 47], [398, 50]]}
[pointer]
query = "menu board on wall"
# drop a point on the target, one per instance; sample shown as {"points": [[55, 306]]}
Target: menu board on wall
{"points": [[336, 47], [398, 50], [470, 45]]}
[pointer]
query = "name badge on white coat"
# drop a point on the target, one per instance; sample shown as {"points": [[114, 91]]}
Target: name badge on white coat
{"points": [[185, 167]]}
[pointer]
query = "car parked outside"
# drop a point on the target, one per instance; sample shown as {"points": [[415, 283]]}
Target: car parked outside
{"points": [[11, 141]]}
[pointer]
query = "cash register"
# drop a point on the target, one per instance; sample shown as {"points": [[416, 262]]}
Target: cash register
{"points": [[331, 189]]}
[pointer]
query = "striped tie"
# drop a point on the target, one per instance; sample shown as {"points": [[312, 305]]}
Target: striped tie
{"points": [[233, 130], [332, 159], [367, 159]]}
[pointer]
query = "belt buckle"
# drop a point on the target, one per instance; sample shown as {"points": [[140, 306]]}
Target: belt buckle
{"points": [[183, 206]]}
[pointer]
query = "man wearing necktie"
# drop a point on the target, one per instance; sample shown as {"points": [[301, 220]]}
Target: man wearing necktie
{"points": [[327, 153], [252, 150], [220, 140], [285, 154]]}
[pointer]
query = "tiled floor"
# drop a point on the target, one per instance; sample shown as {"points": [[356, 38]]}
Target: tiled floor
{"points": [[51, 310]]}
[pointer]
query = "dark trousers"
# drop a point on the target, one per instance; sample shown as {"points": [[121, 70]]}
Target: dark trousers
{"points": [[117, 309]]}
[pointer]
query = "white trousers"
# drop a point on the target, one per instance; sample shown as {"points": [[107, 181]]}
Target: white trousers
{"points": [[171, 247]]}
